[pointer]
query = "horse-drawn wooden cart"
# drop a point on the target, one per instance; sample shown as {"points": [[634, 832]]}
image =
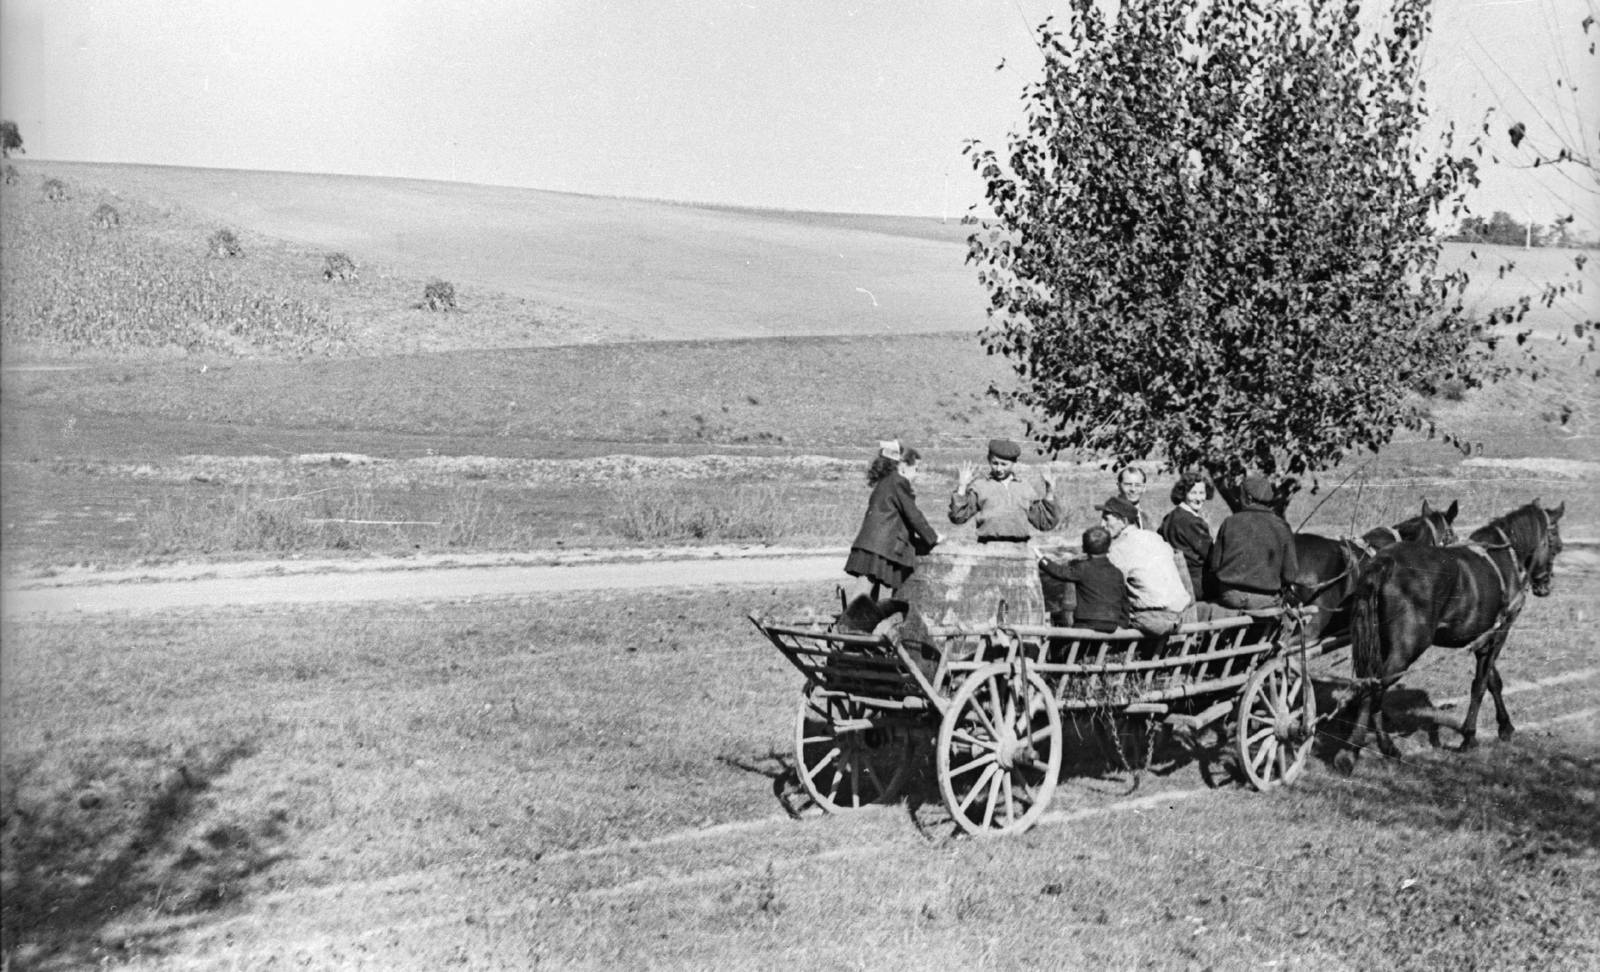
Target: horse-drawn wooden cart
{"points": [[994, 698]]}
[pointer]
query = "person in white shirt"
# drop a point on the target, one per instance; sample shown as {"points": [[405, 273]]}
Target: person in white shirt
{"points": [[1157, 595]]}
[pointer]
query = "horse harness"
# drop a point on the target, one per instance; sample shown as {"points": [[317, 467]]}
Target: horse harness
{"points": [[1512, 599]]}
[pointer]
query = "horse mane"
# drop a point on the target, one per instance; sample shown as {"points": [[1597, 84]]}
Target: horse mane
{"points": [[1509, 528]]}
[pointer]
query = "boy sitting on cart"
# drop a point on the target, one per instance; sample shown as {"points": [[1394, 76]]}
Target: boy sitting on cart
{"points": [[1102, 593]]}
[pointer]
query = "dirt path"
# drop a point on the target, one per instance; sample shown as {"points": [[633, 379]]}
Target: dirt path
{"points": [[181, 587]]}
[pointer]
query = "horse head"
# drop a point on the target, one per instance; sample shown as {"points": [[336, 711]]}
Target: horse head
{"points": [[1434, 525], [1546, 546]]}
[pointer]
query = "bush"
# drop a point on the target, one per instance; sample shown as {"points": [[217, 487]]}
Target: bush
{"points": [[223, 244], [440, 295], [107, 217], [1453, 390], [12, 176], [55, 190], [338, 266]]}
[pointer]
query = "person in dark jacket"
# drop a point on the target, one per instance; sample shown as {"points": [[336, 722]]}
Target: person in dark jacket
{"points": [[1253, 558], [894, 531], [1186, 530], [1102, 591]]}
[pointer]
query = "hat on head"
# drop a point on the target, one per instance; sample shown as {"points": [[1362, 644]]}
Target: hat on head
{"points": [[889, 449], [1004, 449], [1259, 489], [1117, 506]]}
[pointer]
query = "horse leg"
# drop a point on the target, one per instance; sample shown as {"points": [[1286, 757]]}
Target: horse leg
{"points": [[1345, 761], [1501, 715], [1386, 744], [1469, 722]]}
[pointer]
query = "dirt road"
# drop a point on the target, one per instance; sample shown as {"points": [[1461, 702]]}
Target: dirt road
{"points": [[423, 579], [182, 587]]}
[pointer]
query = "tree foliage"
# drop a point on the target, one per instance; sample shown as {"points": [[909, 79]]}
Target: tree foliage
{"points": [[10, 139], [1212, 244]]}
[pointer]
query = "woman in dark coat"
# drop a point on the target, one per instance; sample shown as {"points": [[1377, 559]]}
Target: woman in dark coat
{"points": [[1185, 530], [894, 531]]}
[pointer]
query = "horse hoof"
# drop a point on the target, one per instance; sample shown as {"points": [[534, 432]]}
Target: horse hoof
{"points": [[1345, 762], [1506, 734], [1469, 744]]}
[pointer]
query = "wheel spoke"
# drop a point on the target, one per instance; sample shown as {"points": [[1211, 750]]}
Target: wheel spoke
{"points": [[1011, 810], [972, 740], [1283, 762], [1258, 736], [1042, 732], [811, 774], [983, 760], [816, 739], [1264, 755], [977, 788], [994, 795], [994, 706], [855, 781], [976, 708], [833, 788], [873, 775]]}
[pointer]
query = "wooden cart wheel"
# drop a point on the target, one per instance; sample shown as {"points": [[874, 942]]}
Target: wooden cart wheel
{"points": [[999, 751], [843, 764], [1273, 742]]}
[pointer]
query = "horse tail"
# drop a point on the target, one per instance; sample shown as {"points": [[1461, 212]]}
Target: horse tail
{"points": [[1366, 640]]}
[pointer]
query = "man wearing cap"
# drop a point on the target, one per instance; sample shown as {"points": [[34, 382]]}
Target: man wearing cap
{"points": [[1157, 596], [1007, 508], [1253, 556]]}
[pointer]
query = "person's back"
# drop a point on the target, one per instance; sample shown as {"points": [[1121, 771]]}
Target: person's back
{"points": [[1151, 571], [1253, 558], [1101, 593]]}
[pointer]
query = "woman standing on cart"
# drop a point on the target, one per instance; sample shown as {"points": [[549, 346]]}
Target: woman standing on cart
{"points": [[894, 531]]}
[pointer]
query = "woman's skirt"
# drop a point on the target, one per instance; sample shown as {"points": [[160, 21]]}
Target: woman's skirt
{"points": [[887, 573]]}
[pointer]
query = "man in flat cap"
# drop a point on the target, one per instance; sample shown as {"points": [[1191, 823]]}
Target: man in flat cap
{"points": [[1253, 556], [1008, 509], [1157, 594]]}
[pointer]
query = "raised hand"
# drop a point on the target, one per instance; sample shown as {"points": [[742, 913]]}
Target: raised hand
{"points": [[968, 473]]}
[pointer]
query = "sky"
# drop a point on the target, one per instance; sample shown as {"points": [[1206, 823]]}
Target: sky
{"points": [[823, 105]]}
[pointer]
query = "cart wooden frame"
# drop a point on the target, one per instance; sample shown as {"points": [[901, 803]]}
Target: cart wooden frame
{"points": [[994, 699]]}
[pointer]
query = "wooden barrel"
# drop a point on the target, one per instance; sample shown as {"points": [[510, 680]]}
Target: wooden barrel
{"points": [[966, 584]]}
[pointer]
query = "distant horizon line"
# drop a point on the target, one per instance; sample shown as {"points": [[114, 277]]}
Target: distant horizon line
{"points": [[696, 204]]}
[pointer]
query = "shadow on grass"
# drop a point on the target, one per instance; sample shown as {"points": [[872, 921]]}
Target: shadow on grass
{"points": [[95, 838], [1540, 798]]}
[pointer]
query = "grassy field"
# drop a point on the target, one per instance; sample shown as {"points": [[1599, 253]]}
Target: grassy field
{"points": [[603, 782]]}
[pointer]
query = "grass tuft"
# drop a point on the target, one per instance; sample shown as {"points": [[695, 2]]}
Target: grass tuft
{"points": [[223, 244], [338, 266], [439, 295]]}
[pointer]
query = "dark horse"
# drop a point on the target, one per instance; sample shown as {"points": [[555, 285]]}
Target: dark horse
{"points": [[1467, 595], [1329, 567]]}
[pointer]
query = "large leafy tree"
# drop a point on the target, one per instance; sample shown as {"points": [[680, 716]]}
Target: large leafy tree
{"points": [[10, 139], [1212, 242]]}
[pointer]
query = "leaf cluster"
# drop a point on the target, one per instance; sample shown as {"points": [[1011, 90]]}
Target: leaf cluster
{"points": [[1212, 243]]}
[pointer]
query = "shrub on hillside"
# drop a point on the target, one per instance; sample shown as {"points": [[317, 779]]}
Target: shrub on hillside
{"points": [[55, 190], [223, 244], [107, 217], [12, 176], [440, 295], [338, 266]]}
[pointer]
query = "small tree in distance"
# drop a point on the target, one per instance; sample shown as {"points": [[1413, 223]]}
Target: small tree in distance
{"points": [[10, 139], [1212, 242]]}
